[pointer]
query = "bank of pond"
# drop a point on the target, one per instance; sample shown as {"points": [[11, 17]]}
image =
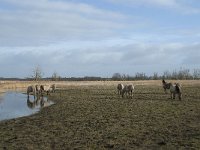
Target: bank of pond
{"points": [[17, 104]]}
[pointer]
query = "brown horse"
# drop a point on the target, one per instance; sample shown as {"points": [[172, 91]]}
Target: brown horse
{"points": [[166, 85], [31, 89]]}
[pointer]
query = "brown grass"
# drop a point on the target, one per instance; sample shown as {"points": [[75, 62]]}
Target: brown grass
{"points": [[90, 115]]}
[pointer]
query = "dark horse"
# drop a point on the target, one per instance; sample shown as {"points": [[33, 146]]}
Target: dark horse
{"points": [[166, 85]]}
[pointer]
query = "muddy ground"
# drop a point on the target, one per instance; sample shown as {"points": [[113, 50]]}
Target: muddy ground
{"points": [[95, 117]]}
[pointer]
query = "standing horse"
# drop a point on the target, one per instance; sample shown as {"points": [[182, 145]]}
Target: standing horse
{"points": [[31, 89], [53, 86], [38, 89], [45, 88], [175, 89], [165, 85], [128, 89], [120, 87]]}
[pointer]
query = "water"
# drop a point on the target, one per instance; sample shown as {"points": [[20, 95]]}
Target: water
{"points": [[16, 104]]}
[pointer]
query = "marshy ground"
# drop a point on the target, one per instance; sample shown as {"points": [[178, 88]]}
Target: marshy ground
{"points": [[95, 117]]}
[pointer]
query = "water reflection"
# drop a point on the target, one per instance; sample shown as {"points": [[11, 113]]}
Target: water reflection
{"points": [[37, 102], [15, 104]]}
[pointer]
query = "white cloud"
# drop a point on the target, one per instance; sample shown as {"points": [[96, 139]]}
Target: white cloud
{"points": [[46, 21], [176, 5], [100, 60], [80, 39]]}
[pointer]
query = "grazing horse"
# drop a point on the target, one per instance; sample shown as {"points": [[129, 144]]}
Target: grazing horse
{"points": [[45, 88], [31, 89], [53, 86], [175, 89], [38, 89], [165, 85], [128, 89], [120, 87]]}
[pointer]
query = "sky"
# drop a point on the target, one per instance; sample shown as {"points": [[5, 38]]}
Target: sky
{"points": [[77, 38]]}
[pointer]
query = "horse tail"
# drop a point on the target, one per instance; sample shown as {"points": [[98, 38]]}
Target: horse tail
{"points": [[178, 89]]}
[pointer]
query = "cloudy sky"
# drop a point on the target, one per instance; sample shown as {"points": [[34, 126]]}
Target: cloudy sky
{"points": [[98, 38]]}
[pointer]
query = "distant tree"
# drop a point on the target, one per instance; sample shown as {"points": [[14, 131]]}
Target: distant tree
{"points": [[37, 73], [140, 76], [55, 76], [116, 76], [196, 74], [184, 74], [167, 75], [155, 76], [175, 75]]}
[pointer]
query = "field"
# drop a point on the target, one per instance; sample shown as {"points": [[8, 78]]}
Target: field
{"points": [[90, 115]]}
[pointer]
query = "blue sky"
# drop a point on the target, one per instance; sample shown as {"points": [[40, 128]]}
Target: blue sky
{"points": [[98, 38]]}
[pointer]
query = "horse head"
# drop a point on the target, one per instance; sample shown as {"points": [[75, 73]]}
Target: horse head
{"points": [[163, 81]]}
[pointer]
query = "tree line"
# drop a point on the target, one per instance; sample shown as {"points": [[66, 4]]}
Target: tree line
{"points": [[182, 74]]}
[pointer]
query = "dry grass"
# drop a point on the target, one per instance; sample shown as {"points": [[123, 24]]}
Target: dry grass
{"points": [[90, 115]]}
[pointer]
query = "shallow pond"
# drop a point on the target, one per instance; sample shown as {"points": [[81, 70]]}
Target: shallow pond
{"points": [[16, 104]]}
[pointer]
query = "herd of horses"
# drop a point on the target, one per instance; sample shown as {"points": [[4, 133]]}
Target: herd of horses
{"points": [[174, 88], [40, 89], [123, 90]]}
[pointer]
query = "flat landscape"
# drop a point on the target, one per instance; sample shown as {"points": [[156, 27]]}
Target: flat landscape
{"points": [[91, 115]]}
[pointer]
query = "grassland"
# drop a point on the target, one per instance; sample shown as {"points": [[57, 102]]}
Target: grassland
{"points": [[90, 115]]}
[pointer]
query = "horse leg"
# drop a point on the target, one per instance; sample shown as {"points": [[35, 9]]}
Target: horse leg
{"points": [[131, 94], [171, 94], [180, 96], [174, 95]]}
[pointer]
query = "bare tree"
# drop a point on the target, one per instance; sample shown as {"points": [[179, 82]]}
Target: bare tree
{"points": [[155, 76], [55, 76], [37, 73], [117, 76], [196, 74], [167, 75], [140, 76]]}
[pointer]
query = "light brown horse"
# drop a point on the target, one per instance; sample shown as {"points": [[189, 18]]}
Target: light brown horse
{"points": [[175, 89], [45, 88], [53, 86], [128, 90]]}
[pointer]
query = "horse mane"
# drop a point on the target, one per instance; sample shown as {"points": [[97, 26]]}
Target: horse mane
{"points": [[163, 81]]}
